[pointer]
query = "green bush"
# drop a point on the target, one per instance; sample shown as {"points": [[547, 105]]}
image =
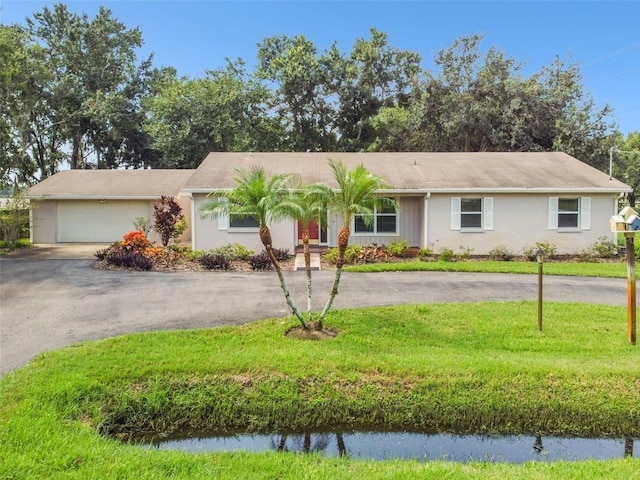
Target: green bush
{"points": [[446, 255], [604, 248], [350, 256], [548, 249], [424, 252], [398, 249], [501, 253], [14, 220], [233, 251], [465, 252], [142, 224]]}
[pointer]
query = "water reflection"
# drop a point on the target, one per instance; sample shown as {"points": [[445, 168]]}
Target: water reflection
{"points": [[423, 447]]}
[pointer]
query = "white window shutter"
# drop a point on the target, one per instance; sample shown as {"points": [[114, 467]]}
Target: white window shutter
{"points": [[223, 219], [553, 213], [488, 213], [585, 213], [455, 213]]}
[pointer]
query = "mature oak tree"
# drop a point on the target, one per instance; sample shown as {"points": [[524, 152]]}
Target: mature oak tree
{"points": [[73, 91], [224, 111], [95, 86], [481, 102]]}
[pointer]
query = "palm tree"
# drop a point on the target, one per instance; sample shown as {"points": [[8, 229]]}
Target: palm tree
{"points": [[305, 209], [259, 197], [356, 195]]}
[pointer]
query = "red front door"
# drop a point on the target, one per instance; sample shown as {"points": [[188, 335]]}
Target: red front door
{"points": [[314, 233]]}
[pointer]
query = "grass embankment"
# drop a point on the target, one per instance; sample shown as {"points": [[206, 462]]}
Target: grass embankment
{"points": [[464, 367], [579, 269]]}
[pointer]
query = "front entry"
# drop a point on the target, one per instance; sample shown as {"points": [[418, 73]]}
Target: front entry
{"points": [[317, 235]]}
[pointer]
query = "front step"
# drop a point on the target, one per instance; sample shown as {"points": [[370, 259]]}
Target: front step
{"points": [[299, 263]]}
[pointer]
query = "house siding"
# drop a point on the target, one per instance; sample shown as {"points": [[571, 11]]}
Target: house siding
{"points": [[45, 220], [519, 221], [207, 234], [409, 225]]}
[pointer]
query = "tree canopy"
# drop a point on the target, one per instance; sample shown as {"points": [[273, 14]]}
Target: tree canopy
{"points": [[75, 94]]}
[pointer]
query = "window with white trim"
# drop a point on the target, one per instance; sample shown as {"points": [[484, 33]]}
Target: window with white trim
{"points": [[472, 213], [385, 221], [228, 221], [569, 213], [237, 221]]}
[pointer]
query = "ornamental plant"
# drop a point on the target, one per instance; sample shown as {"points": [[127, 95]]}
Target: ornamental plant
{"points": [[135, 240], [167, 215]]}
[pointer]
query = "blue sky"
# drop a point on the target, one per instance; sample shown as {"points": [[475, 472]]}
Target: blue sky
{"points": [[603, 37]]}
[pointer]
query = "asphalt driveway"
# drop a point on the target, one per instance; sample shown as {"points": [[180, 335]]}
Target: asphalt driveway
{"points": [[52, 296]]}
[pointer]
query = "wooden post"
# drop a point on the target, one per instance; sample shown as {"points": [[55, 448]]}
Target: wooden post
{"points": [[631, 286], [540, 258], [540, 296]]}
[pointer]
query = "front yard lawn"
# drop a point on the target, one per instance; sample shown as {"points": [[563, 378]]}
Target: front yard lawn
{"points": [[453, 367]]}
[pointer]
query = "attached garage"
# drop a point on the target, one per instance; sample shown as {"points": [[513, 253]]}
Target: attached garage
{"points": [[98, 221], [100, 206]]}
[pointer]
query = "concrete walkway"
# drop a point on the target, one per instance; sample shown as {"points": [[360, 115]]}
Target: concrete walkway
{"points": [[59, 251], [299, 263]]}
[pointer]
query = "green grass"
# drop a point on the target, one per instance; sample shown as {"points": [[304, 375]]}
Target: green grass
{"points": [[20, 243], [464, 367], [581, 269]]}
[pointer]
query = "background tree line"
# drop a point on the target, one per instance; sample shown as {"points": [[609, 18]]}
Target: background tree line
{"points": [[74, 92]]}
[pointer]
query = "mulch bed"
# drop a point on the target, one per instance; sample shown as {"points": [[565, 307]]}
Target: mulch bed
{"points": [[175, 262]]}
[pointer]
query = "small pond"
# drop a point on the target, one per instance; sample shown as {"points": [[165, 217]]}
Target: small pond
{"points": [[418, 446]]}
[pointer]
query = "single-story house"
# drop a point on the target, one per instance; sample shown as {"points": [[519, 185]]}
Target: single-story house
{"points": [[474, 201], [100, 206]]}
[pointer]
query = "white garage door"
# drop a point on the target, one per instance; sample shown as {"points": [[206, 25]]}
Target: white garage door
{"points": [[96, 221]]}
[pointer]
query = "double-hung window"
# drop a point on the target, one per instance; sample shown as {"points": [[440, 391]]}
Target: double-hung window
{"points": [[471, 213], [569, 213], [385, 221]]}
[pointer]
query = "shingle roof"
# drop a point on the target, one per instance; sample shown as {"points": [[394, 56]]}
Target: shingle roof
{"points": [[428, 172], [130, 184], [419, 172]]}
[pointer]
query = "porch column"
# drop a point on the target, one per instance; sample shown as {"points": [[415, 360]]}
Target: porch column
{"points": [[425, 222]]}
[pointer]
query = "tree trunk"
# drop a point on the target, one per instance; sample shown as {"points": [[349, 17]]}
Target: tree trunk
{"points": [[343, 243], [75, 155], [307, 267], [265, 236]]}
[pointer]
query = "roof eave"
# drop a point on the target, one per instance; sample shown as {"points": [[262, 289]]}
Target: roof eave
{"points": [[423, 191], [507, 190], [47, 196]]}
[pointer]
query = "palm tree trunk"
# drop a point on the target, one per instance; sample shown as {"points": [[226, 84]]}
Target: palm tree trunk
{"points": [[343, 242], [265, 236], [307, 267]]}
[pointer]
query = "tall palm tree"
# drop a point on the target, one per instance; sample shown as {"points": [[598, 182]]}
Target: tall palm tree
{"points": [[304, 209], [356, 195], [259, 197]]}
